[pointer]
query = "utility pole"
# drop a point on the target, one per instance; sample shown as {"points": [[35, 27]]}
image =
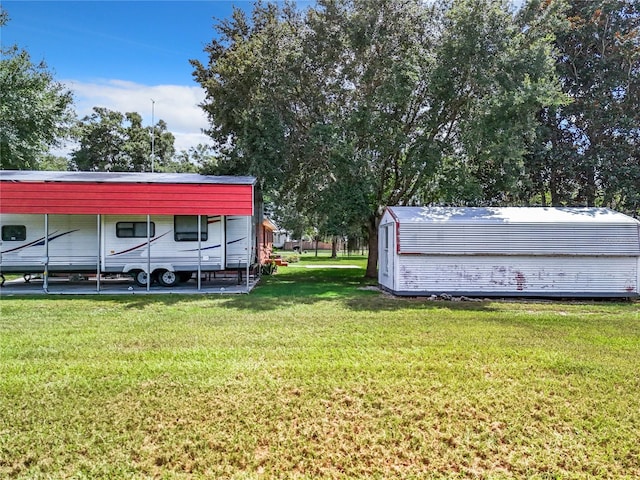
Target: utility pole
{"points": [[153, 131]]}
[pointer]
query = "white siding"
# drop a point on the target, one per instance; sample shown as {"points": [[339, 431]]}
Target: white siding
{"points": [[72, 242], [131, 253], [518, 275], [237, 241]]}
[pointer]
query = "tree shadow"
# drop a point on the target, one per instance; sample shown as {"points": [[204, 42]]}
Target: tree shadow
{"points": [[289, 287], [347, 286]]}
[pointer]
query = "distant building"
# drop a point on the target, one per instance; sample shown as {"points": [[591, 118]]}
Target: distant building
{"points": [[265, 240]]}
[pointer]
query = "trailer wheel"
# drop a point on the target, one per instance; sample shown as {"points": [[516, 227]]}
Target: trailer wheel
{"points": [[2, 278], [140, 277], [27, 277], [167, 278]]}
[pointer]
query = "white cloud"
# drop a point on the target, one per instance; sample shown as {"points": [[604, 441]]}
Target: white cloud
{"points": [[177, 105]]}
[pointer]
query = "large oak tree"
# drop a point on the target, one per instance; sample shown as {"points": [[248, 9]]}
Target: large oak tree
{"points": [[353, 105]]}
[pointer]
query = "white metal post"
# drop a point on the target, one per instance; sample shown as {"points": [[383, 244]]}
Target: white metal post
{"points": [[98, 218], [45, 280], [250, 240], [148, 253], [199, 254]]}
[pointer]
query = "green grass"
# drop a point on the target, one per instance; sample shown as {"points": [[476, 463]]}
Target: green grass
{"points": [[315, 376]]}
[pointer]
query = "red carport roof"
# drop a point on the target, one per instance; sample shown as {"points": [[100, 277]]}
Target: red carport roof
{"points": [[125, 193]]}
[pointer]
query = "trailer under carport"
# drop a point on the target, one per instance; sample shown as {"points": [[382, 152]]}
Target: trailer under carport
{"points": [[147, 194]]}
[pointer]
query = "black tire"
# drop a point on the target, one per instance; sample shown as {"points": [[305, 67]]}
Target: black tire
{"points": [[3, 279], [27, 277], [167, 278], [140, 277]]}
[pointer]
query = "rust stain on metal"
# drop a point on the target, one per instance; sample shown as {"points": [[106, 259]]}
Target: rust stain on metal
{"points": [[520, 281]]}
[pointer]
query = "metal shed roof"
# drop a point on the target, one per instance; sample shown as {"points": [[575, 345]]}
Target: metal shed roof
{"points": [[514, 231], [509, 215]]}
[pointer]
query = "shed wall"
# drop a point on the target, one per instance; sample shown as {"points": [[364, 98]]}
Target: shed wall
{"points": [[518, 239], [510, 251], [517, 275]]}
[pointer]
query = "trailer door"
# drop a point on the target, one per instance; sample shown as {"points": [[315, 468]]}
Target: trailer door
{"points": [[237, 241]]}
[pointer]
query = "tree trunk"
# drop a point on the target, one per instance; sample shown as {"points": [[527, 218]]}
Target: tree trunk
{"points": [[334, 247], [591, 188], [372, 259], [553, 189]]}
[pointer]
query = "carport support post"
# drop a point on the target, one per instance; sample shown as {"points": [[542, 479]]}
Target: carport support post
{"points": [[98, 218], [250, 240], [45, 280], [148, 252], [199, 254]]}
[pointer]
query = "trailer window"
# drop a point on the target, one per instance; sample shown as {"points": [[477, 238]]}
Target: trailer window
{"points": [[134, 229], [14, 233], [186, 228]]}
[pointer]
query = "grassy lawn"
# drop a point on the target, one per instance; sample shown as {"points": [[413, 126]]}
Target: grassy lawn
{"points": [[314, 376]]}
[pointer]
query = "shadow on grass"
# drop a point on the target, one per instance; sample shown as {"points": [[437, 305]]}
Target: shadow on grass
{"points": [[348, 286], [292, 286], [324, 258]]}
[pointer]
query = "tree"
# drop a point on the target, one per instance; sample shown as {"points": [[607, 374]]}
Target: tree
{"points": [[114, 142], [52, 162], [35, 110], [360, 104], [587, 152], [199, 158]]}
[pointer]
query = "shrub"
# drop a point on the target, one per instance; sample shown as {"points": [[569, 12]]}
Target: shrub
{"points": [[269, 268]]}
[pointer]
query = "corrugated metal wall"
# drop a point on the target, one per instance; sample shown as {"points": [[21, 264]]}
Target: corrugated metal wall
{"points": [[517, 275], [515, 239]]}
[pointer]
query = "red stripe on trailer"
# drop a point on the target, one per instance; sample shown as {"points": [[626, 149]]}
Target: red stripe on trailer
{"points": [[125, 198]]}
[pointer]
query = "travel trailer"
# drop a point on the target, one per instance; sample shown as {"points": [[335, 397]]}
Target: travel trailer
{"points": [[169, 225]]}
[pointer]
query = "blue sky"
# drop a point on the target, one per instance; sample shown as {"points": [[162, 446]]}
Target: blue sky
{"points": [[147, 42], [121, 54]]}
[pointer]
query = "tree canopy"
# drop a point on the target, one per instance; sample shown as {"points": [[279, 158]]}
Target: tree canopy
{"points": [[588, 149], [35, 110], [115, 142], [353, 105]]}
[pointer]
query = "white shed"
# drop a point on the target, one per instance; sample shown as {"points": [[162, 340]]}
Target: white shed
{"points": [[512, 251]]}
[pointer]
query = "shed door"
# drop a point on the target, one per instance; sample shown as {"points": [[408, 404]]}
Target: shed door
{"points": [[384, 265], [385, 275]]}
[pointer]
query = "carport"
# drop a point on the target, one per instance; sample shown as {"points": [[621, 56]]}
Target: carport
{"points": [[45, 195]]}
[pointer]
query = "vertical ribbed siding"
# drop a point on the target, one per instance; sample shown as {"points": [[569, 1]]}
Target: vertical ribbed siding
{"points": [[518, 275]]}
